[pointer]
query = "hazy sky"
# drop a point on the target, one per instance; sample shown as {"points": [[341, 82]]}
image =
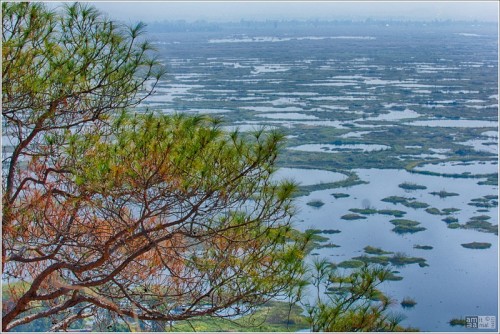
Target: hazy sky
{"points": [[148, 11]]}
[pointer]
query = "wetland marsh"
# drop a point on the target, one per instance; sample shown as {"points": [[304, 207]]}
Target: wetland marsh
{"points": [[392, 136]]}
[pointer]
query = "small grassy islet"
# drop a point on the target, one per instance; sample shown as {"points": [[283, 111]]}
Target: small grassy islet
{"points": [[375, 251], [371, 211], [477, 245], [444, 212], [408, 202], [317, 231], [411, 186], [408, 302], [402, 226], [352, 216], [398, 259], [449, 220], [316, 203], [457, 322], [443, 194], [425, 247], [340, 195], [347, 264], [488, 201]]}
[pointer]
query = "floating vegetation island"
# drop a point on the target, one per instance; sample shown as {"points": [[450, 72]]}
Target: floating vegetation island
{"points": [[352, 216], [316, 203], [408, 302], [458, 322], [406, 226], [411, 186], [443, 194], [478, 225], [328, 245], [371, 211], [444, 212], [375, 251], [401, 259], [393, 277], [398, 259], [477, 245], [351, 264], [316, 231], [408, 202], [449, 220], [488, 201], [340, 195], [423, 247]]}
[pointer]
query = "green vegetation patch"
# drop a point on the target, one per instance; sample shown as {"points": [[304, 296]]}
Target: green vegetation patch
{"points": [[328, 245], [364, 211], [477, 245], [416, 205], [351, 180], [378, 295], [491, 180], [411, 186], [449, 220], [408, 202], [423, 247], [313, 238], [408, 302], [370, 211], [488, 201], [272, 317], [318, 238], [340, 195], [316, 203], [398, 259], [375, 251], [401, 259], [395, 199], [434, 211], [407, 229], [351, 264], [338, 290], [444, 212], [443, 193], [404, 222], [481, 217], [352, 216], [382, 260], [316, 231], [402, 226], [393, 277], [395, 213], [457, 322], [480, 225]]}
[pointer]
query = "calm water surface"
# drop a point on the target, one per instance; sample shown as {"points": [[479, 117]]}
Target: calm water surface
{"points": [[458, 281]]}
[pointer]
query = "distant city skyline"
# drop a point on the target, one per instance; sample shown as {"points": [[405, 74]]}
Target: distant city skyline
{"points": [[224, 11]]}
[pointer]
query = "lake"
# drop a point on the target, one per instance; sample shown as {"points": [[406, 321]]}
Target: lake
{"points": [[457, 282], [391, 104]]}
